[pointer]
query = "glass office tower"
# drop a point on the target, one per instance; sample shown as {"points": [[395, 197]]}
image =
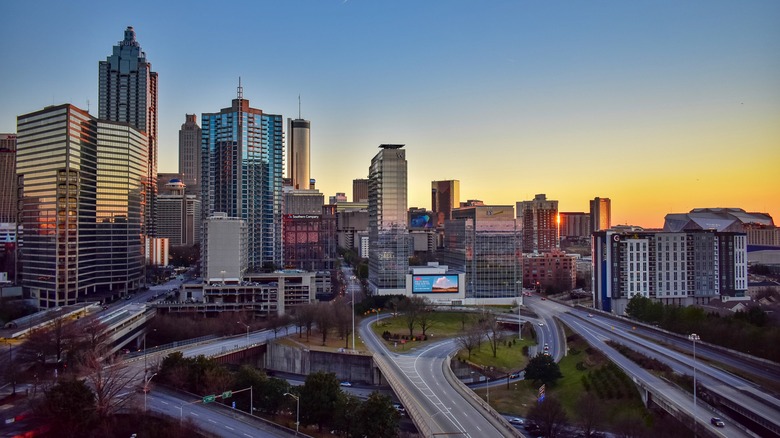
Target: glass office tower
{"points": [[127, 92], [82, 205], [242, 156], [388, 256]]}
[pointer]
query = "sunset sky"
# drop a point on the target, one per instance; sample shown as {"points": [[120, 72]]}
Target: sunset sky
{"points": [[662, 106]]}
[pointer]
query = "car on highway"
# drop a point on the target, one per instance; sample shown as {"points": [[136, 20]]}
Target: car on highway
{"points": [[544, 299], [590, 315], [515, 420], [541, 324], [717, 422], [346, 384]]}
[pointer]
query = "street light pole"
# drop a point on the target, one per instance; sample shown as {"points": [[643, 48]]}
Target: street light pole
{"points": [[297, 410], [146, 388], [694, 337], [353, 320], [247, 331]]}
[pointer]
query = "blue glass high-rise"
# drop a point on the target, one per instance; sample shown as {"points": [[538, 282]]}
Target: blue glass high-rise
{"points": [[242, 163]]}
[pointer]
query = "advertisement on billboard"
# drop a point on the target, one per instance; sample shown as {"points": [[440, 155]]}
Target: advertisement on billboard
{"points": [[435, 284], [421, 220]]}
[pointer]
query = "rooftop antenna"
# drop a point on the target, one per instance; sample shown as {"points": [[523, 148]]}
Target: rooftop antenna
{"points": [[87, 105], [240, 90], [299, 106]]}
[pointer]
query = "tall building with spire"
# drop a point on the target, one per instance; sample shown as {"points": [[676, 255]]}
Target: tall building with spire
{"points": [[189, 155], [127, 92], [388, 235], [242, 164], [298, 151]]}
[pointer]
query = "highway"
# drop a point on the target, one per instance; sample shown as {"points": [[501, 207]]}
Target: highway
{"points": [[218, 420], [596, 330], [430, 396]]}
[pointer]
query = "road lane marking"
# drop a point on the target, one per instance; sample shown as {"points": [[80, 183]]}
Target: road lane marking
{"points": [[193, 413], [228, 427], [212, 421], [246, 434], [164, 402]]}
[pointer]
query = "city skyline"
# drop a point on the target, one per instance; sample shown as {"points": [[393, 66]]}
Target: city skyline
{"points": [[660, 108]]}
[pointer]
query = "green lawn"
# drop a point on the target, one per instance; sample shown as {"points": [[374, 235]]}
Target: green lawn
{"points": [[509, 355]]}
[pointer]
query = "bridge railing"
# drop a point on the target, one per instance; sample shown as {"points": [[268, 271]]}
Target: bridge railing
{"points": [[473, 398], [410, 403]]}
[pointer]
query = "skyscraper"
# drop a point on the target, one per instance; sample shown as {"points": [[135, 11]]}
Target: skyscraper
{"points": [[7, 178], [360, 190], [445, 196], [242, 159], [82, 205], [178, 215], [127, 92], [388, 259], [540, 223], [483, 242], [298, 152], [600, 214], [189, 155]]}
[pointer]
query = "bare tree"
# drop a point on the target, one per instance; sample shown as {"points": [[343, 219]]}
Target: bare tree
{"points": [[411, 308], [464, 318], [471, 339], [324, 319], [550, 416], [590, 412], [342, 313], [277, 323], [424, 316], [493, 331], [110, 383], [304, 317]]}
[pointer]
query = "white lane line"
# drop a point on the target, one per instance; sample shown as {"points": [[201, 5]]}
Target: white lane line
{"points": [[164, 402], [212, 421], [246, 434], [228, 427], [193, 413]]}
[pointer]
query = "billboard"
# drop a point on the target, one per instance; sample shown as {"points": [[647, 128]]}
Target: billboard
{"points": [[435, 284], [421, 220]]}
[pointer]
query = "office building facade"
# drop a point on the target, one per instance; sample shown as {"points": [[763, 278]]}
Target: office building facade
{"points": [[82, 205], [574, 225], [540, 223], [360, 190], [679, 268], [388, 259], [178, 215], [242, 159], [190, 154], [483, 241], [600, 214], [445, 196], [127, 93], [8, 188]]}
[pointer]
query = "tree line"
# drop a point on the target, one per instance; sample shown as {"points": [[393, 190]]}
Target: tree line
{"points": [[749, 331], [322, 402]]}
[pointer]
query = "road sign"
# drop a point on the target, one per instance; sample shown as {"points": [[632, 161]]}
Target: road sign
{"points": [[227, 394], [209, 398]]}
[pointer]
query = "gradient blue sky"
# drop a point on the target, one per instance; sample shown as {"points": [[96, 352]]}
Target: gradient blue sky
{"points": [[662, 106]]}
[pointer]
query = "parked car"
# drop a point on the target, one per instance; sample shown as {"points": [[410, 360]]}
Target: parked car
{"points": [[717, 422], [347, 384]]}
